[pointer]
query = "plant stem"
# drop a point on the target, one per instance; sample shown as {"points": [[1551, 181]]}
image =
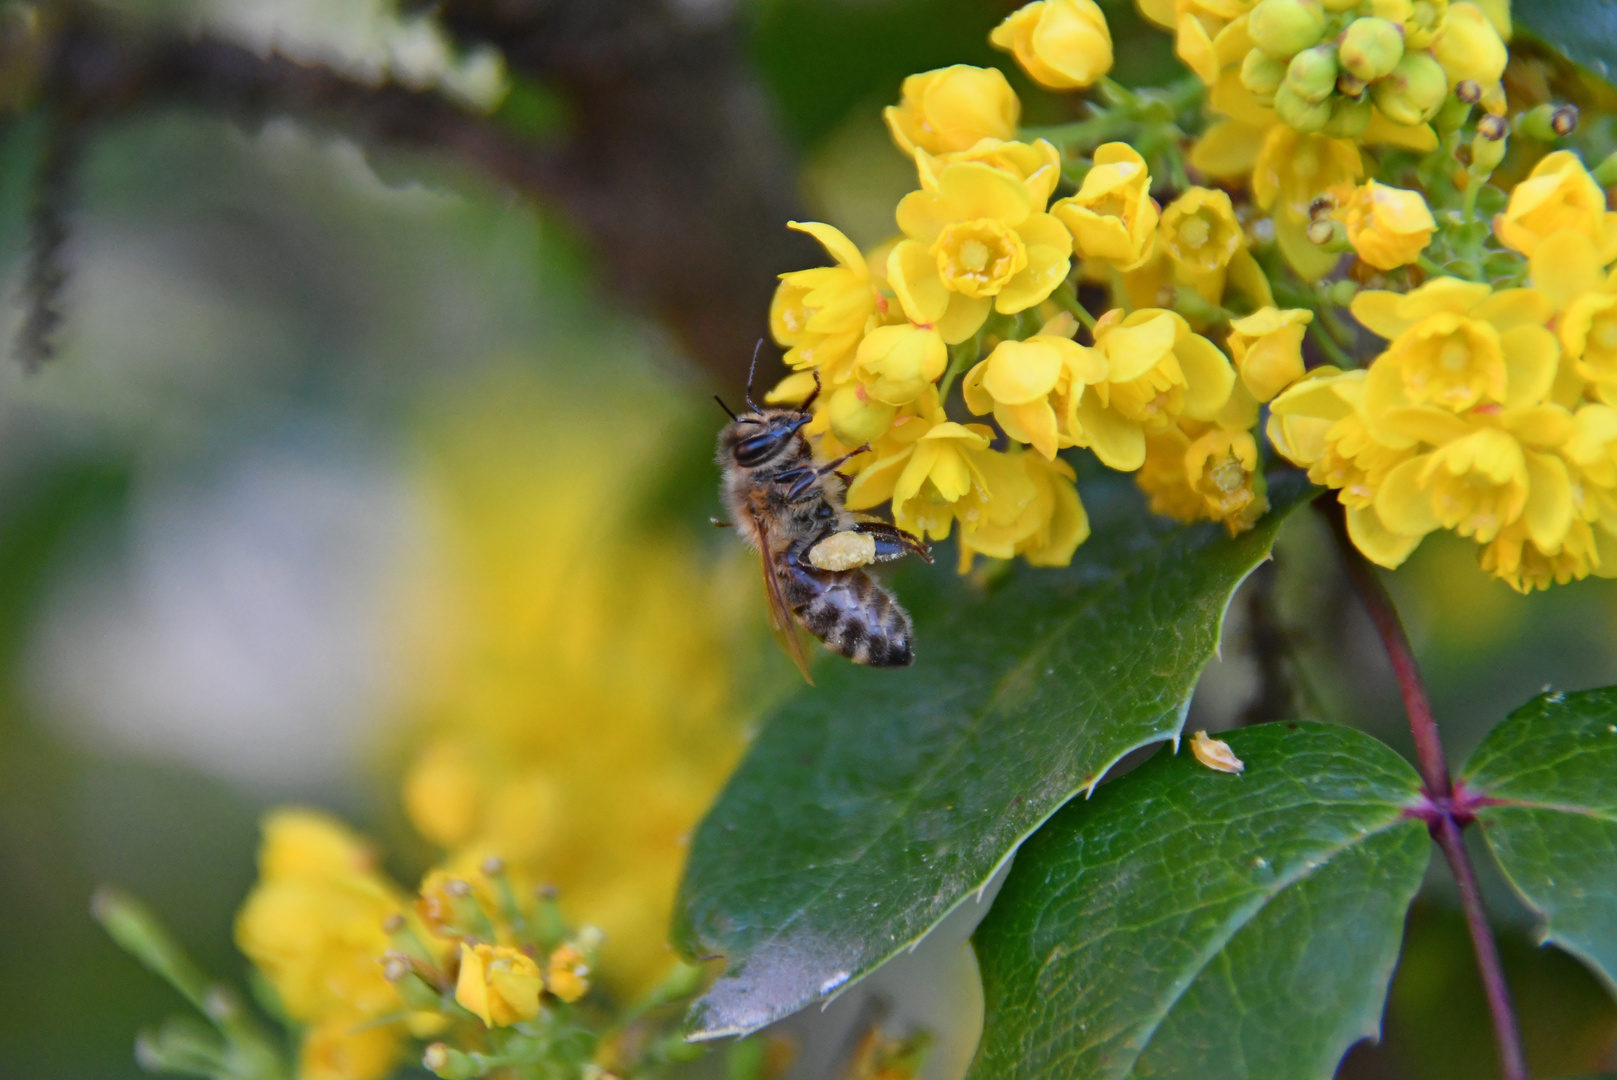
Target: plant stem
{"points": [[1067, 296], [1439, 813]]}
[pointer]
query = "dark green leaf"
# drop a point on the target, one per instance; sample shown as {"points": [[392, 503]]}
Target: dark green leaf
{"points": [[1553, 767], [1191, 923], [872, 805], [1585, 30]]}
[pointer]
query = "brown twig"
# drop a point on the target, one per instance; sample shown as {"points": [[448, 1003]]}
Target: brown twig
{"points": [[1445, 811]]}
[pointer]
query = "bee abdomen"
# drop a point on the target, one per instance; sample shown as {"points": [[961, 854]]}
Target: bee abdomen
{"points": [[860, 620]]}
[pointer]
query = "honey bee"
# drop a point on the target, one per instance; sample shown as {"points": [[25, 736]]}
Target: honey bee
{"points": [[790, 509]]}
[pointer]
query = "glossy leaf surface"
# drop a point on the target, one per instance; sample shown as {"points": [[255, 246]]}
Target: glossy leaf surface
{"points": [[1553, 766], [1197, 924], [1585, 30], [871, 805]]}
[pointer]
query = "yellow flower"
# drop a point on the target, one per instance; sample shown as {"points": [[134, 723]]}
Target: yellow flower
{"points": [[1036, 164], [1027, 386], [1469, 47], [1222, 467], [1062, 44], [443, 794], [1388, 227], [1157, 370], [1559, 194], [822, 313], [1516, 559], [498, 984], [974, 241], [1267, 347], [1163, 478], [567, 973], [950, 109], [348, 1048], [1113, 216], [1029, 508], [1291, 171], [895, 363], [313, 924], [1200, 235], [1455, 343], [856, 418], [926, 465]]}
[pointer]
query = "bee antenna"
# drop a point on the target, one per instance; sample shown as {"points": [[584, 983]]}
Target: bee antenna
{"points": [[756, 349], [725, 407]]}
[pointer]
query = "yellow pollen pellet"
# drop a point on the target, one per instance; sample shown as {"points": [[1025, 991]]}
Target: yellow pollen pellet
{"points": [[1215, 753], [843, 551]]}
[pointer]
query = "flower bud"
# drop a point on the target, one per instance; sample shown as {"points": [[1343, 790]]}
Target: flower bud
{"points": [[1488, 147], [1469, 47], [1413, 91], [1311, 75], [1424, 22], [1062, 44], [1284, 28], [1349, 118], [1537, 123], [1398, 11], [1350, 85], [1371, 48], [1262, 74], [498, 984], [449, 1064], [856, 418], [1306, 116]]}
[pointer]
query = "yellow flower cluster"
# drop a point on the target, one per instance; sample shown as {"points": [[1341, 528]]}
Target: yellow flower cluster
{"points": [[1489, 413], [365, 970], [571, 675]]}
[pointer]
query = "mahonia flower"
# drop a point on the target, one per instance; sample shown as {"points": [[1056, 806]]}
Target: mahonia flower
{"points": [[1037, 164], [1388, 227], [1061, 44], [1450, 339], [895, 363], [952, 108], [1163, 478], [1113, 217], [1222, 467], [348, 1049], [1468, 46], [1267, 347], [498, 984], [976, 240], [930, 466], [312, 924], [1033, 511], [567, 973], [1201, 236], [822, 313], [1157, 370], [1558, 195], [855, 418], [1291, 171], [1028, 384]]}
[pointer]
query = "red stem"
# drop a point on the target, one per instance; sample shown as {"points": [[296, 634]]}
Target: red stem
{"points": [[1440, 815]]}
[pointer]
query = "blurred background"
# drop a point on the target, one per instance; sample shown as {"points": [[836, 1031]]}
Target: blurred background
{"points": [[375, 444]]}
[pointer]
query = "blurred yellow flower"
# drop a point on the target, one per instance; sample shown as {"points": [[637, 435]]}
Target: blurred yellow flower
{"points": [[313, 923], [1559, 194], [498, 984], [950, 109], [348, 1048], [1469, 47], [1112, 217], [1267, 347], [1061, 44], [975, 240], [1291, 171], [1389, 227], [567, 973], [539, 591]]}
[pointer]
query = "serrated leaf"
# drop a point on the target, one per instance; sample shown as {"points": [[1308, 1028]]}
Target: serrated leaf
{"points": [[1190, 923], [1552, 766], [871, 806], [1585, 30]]}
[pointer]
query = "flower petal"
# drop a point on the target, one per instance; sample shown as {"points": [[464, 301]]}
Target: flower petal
{"points": [[912, 271], [972, 189], [1379, 544], [832, 239], [1548, 513], [1209, 377], [1118, 443], [1532, 356]]}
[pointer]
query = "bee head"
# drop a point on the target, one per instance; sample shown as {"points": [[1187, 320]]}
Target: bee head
{"points": [[755, 437]]}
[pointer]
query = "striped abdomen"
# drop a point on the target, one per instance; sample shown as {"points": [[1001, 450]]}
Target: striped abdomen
{"points": [[852, 614]]}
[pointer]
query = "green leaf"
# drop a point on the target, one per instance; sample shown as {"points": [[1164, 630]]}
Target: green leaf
{"points": [[1198, 924], [1552, 768], [1585, 30], [871, 806]]}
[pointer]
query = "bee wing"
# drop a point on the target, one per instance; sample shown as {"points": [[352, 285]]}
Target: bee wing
{"points": [[787, 632]]}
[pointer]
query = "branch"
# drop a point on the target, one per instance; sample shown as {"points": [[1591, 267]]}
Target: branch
{"points": [[674, 169], [1444, 818]]}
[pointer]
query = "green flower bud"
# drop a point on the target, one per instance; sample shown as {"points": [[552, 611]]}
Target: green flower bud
{"points": [[1304, 115], [1262, 74], [1605, 173], [1311, 75], [1414, 90], [1284, 28], [1371, 48], [1487, 153], [1349, 118]]}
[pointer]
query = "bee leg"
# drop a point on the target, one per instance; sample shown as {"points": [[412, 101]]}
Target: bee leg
{"points": [[893, 542], [831, 466], [802, 478]]}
